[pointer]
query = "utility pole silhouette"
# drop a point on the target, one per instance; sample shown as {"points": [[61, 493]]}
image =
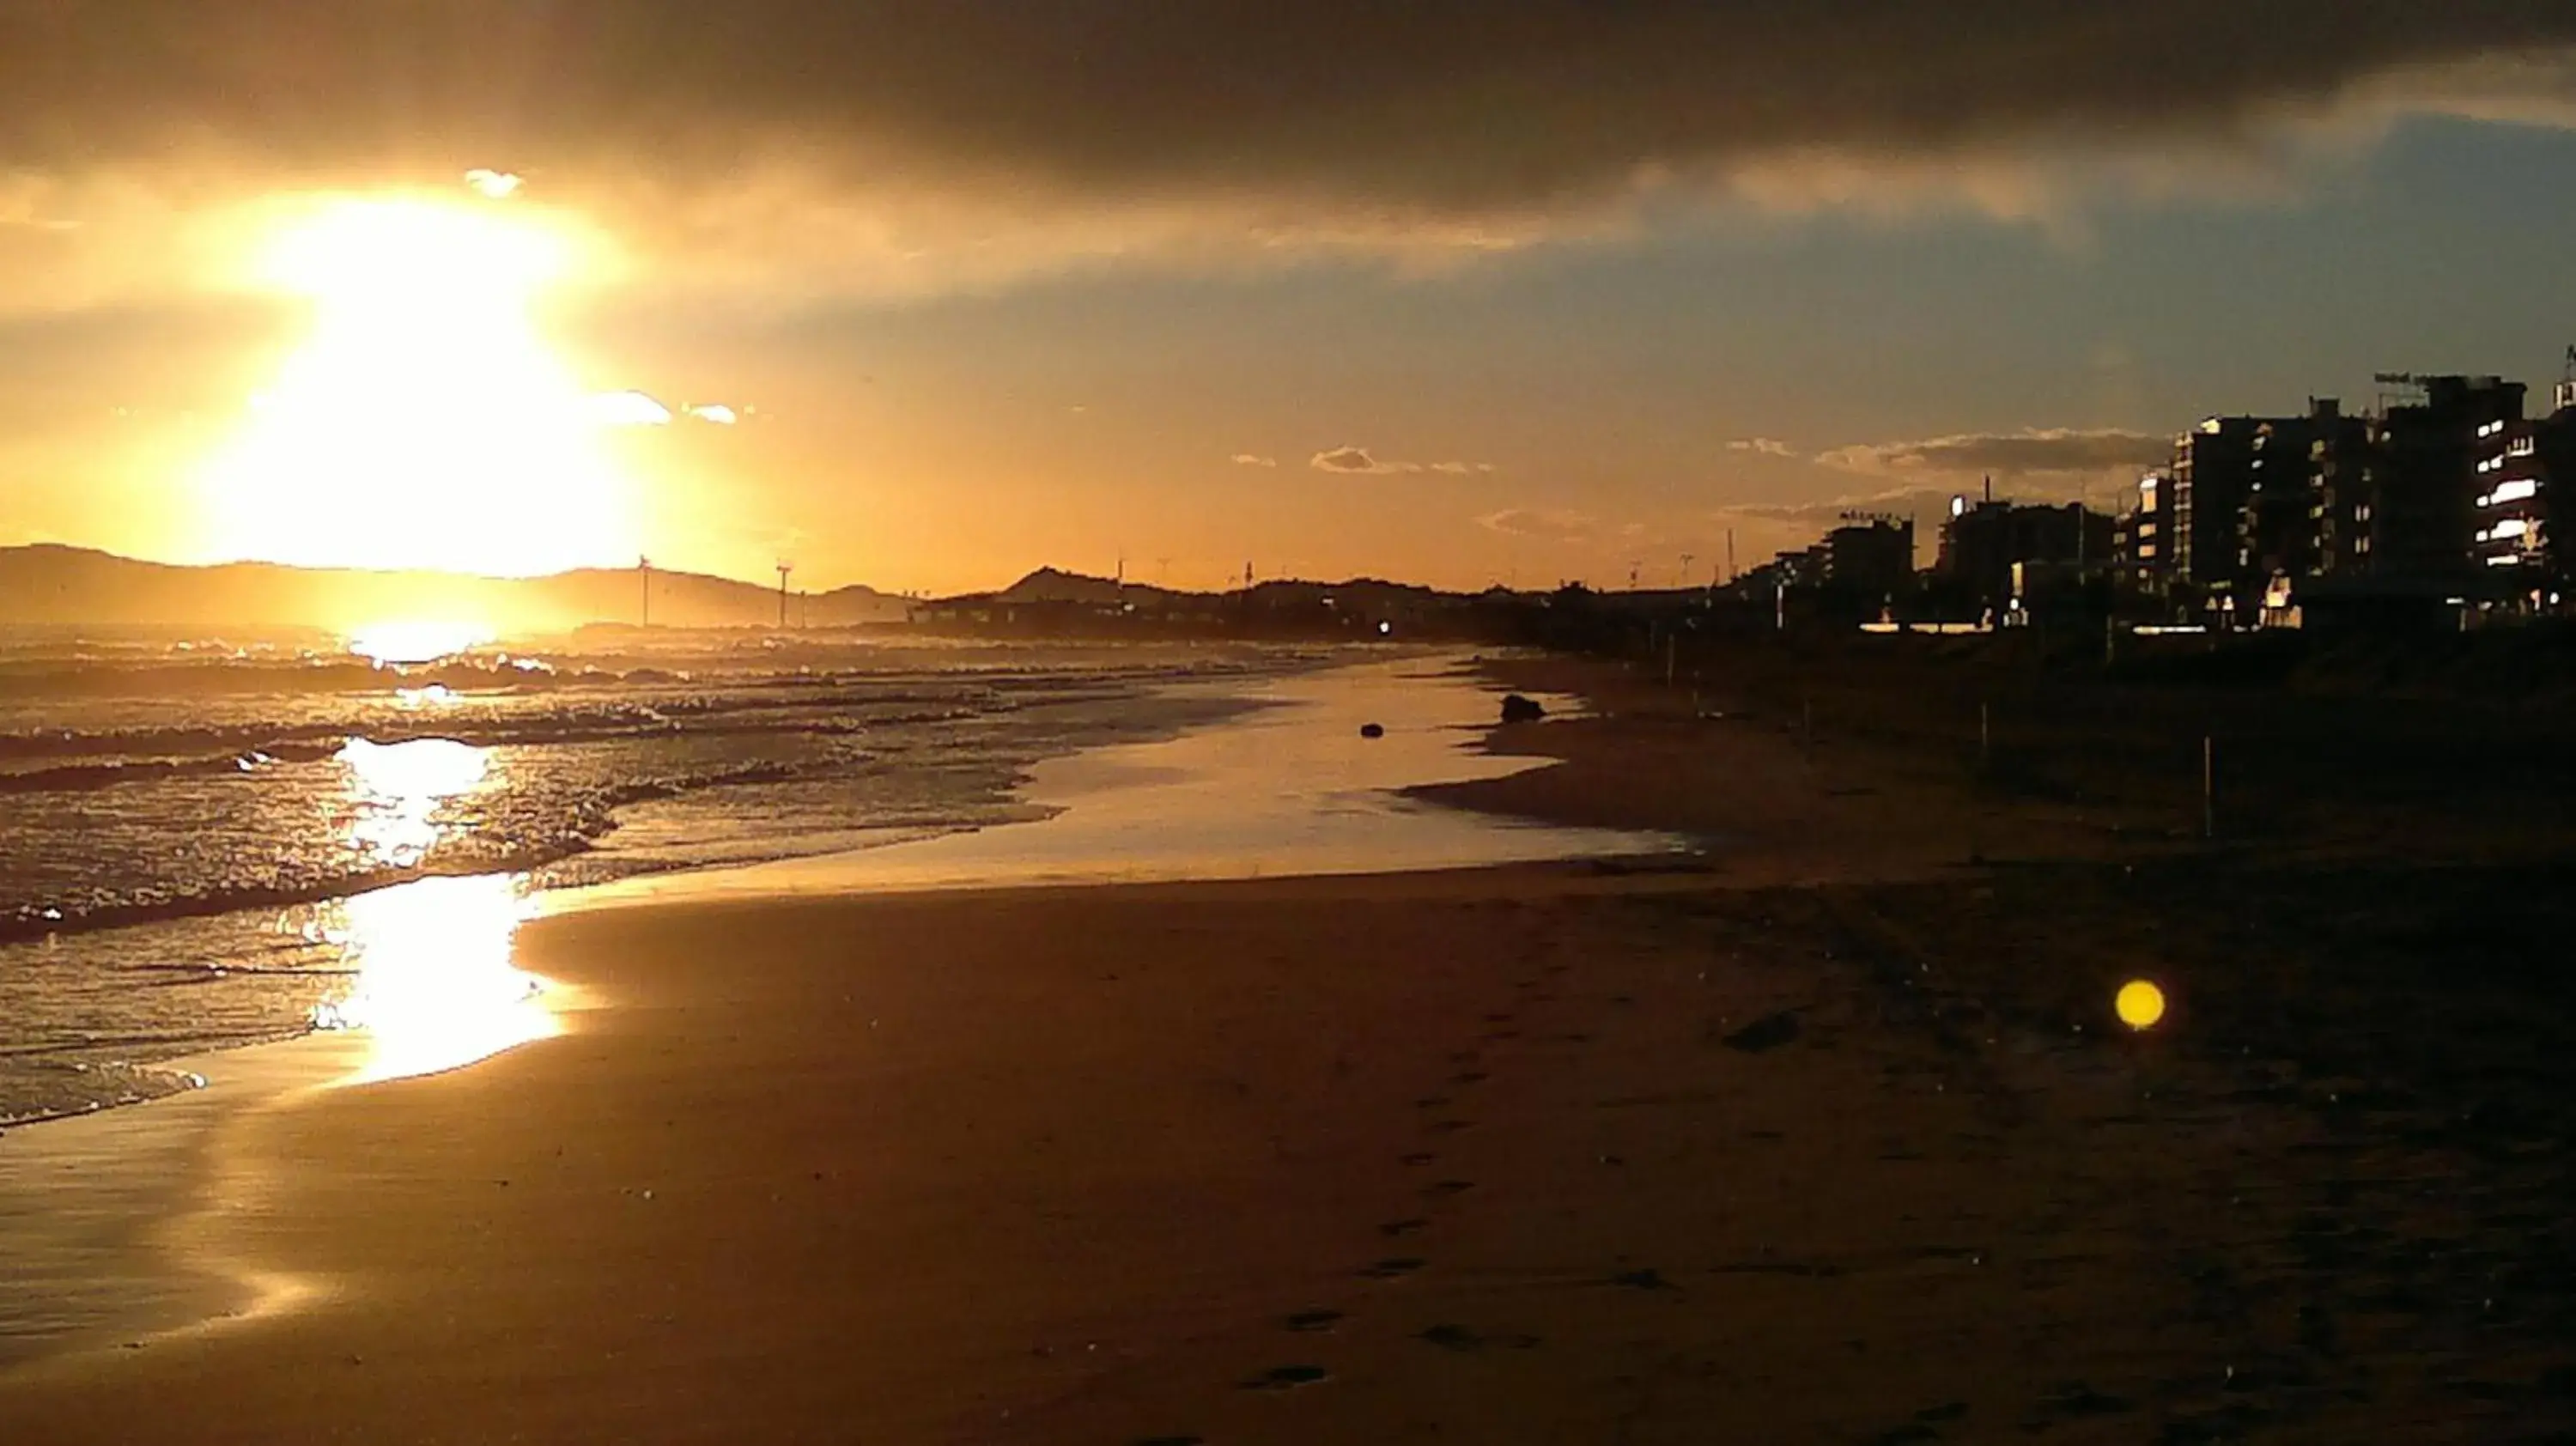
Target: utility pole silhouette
{"points": [[1687, 559], [784, 569], [644, 565]]}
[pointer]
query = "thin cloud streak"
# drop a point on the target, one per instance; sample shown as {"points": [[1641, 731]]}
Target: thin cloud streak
{"points": [[1549, 524], [2059, 452], [1359, 461]]}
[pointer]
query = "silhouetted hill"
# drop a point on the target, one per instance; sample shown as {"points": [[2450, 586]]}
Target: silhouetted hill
{"points": [[1051, 585], [1054, 585], [79, 586]]}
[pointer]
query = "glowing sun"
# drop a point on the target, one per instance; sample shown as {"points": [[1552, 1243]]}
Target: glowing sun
{"points": [[425, 422]]}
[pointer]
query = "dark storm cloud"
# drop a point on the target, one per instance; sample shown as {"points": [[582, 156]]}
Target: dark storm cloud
{"points": [[798, 147], [1429, 107]]}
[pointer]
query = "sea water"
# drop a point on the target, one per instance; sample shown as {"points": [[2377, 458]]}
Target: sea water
{"points": [[192, 828]]}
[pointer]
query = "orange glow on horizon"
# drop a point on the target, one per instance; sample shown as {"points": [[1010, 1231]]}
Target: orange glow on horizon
{"points": [[419, 641]]}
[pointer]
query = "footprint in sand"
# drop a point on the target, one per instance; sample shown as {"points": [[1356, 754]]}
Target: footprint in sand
{"points": [[1445, 1188], [1287, 1378], [2076, 1399], [1397, 1229], [1314, 1320], [1453, 1338], [1420, 1158], [1394, 1268]]}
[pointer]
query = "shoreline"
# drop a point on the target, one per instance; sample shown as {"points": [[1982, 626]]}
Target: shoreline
{"points": [[125, 1154]]}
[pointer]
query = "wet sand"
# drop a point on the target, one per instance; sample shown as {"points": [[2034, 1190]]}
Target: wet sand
{"points": [[1827, 1137]]}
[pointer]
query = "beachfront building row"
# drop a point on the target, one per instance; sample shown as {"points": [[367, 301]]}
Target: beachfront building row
{"points": [[2448, 495], [1856, 572]]}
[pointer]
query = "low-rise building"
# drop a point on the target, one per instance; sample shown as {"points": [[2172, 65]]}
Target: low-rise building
{"points": [[1988, 548]]}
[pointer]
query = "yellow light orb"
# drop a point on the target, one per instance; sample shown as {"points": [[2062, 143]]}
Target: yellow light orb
{"points": [[2141, 1004], [426, 421]]}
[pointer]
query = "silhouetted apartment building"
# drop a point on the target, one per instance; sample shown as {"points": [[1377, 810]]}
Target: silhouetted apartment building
{"points": [[2280, 534], [1989, 549], [2509, 520], [2141, 546], [2523, 512], [2342, 473], [1871, 556], [2437, 465], [2212, 473]]}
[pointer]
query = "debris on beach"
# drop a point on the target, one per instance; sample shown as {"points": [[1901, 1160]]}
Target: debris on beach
{"points": [[1767, 1033]]}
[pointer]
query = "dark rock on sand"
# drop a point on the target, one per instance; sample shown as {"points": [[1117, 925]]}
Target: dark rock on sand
{"points": [[1372, 730], [1769, 1032], [1517, 709]]}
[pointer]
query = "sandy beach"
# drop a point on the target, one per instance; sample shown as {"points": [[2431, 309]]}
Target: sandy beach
{"points": [[1822, 1135]]}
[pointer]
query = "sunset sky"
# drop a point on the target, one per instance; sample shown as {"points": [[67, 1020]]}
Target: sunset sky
{"points": [[1454, 290]]}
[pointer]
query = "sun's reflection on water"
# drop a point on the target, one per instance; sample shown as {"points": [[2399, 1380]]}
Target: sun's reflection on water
{"points": [[437, 985], [397, 789], [385, 644], [433, 983]]}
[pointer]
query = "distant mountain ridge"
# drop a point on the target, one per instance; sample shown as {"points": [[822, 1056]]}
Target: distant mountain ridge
{"points": [[1054, 585], [47, 583]]}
